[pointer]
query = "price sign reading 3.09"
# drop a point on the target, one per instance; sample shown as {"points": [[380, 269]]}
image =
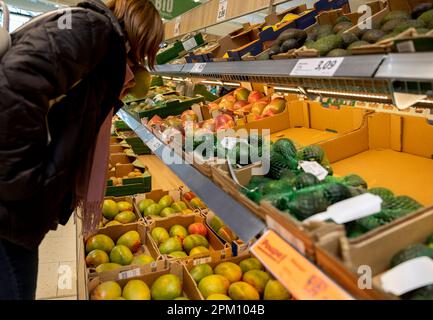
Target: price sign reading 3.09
{"points": [[317, 67]]}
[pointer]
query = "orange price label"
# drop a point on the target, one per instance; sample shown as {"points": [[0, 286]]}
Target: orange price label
{"points": [[302, 278]]}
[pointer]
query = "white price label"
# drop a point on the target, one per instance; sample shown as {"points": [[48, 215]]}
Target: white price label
{"points": [[176, 31], [317, 67], [189, 44], [286, 235], [154, 144], [129, 274], [197, 262], [408, 276], [198, 67], [314, 168], [222, 10]]}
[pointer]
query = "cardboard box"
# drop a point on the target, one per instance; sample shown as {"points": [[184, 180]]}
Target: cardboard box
{"points": [[129, 200], [190, 289], [156, 195], [216, 248], [342, 258], [115, 232]]}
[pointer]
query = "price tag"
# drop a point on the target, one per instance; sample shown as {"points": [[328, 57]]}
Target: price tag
{"points": [[129, 274], [317, 67], [189, 44], [198, 67], [314, 168], [302, 278], [290, 238], [222, 10], [176, 31], [408, 276], [154, 144], [204, 260]]}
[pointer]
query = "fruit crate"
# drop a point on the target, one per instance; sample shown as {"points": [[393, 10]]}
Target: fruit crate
{"points": [[156, 195], [138, 146], [179, 48], [120, 125], [189, 288], [128, 199], [170, 108], [342, 258], [217, 250], [147, 247]]}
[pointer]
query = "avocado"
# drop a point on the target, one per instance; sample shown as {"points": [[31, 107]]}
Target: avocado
{"points": [[348, 38], [411, 252], [373, 35], [392, 24], [338, 53], [289, 45], [342, 26], [424, 293], [409, 24], [342, 19], [422, 30], [309, 44], [388, 36], [427, 17], [420, 9], [275, 49], [311, 36], [324, 30], [299, 35], [328, 43], [395, 15], [358, 44]]}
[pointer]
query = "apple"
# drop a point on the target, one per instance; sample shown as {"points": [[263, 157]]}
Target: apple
{"points": [[208, 124], [189, 115], [255, 96], [155, 120], [240, 104], [247, 108], [266, 98], [213, 106], [258, 107], [189, 196], [241, 94], [197, 228], [224, 122], [274, 107]]}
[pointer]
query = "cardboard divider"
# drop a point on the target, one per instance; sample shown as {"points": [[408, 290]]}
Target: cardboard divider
{"points": [[116, 148], [217, 250], [115, 232], [128, 199], [190, 289]]}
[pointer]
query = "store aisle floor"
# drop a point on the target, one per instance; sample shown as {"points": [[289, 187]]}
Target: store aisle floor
{"points": [[57, 278]]}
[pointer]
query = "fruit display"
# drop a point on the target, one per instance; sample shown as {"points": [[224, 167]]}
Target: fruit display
{"points": [[288, 40], [193, 201], [163, 207], [116, 249], [118, 212], [241, 278], [221, 229]]}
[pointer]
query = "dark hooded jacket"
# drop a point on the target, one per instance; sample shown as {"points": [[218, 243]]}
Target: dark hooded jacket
{"points": [[43, 145]]}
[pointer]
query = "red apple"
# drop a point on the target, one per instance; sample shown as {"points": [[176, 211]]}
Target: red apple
{"points": [[189, 196], [258, 107], [197, 228], [155, 120], [241, 94], [240, 104], [254, 96], [224, 122], [189, 115], [208, 124], [276, 106], [213, 106]]}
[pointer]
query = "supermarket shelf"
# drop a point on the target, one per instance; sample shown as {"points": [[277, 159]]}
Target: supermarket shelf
{"points": [[244, 223], [385, 74]]}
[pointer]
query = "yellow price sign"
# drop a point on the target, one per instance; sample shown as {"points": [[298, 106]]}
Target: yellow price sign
{"points": [[303, 279]]}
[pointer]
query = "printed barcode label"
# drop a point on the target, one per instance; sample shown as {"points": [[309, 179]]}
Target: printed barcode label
{"points": [[317, 67], [202, 261], [198, 67], [189, 44], [129, 274], [405, 46]]}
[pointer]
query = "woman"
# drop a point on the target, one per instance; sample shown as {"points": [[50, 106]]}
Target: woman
{"points": [[59, 87]]}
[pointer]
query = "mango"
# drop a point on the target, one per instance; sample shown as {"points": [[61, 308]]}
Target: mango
{"points": [[166, 287], [112, 223], [143, 204], [107, 267], [109, 209], [194, 240], [166, 201], [200, 250], [251, 264], [197, 203], [121, 255], [243, 291], [181, 298], [142, 259], [109, 290], [170, 245], [126, 217], [96, 257], [178, 206], [225, 233], [200, 271], [218, 296], [229, 270], [257, 278], [178, 254], [124, 206], [178, 231], [212, 284], [101, 242], [159, 235], [152, 210], [136, 290], [274, 290], [216, 223], [130, 239], [166, 212]]}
